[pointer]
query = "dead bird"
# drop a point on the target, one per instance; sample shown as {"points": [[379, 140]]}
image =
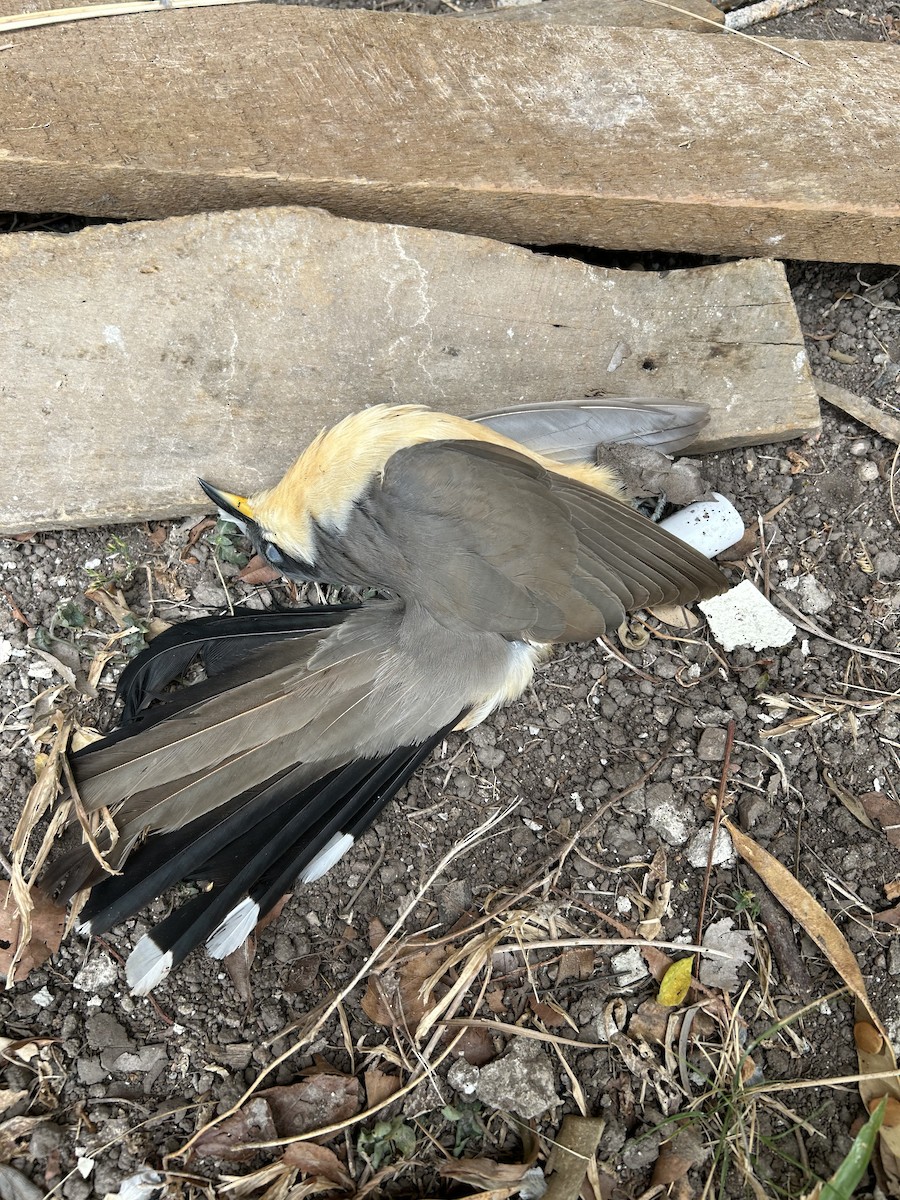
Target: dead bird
{"points": [[495, 542]]}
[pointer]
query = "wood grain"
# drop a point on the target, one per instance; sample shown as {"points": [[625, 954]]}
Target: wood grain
{"points": [[138, 357], [539, 134], [699, 16]]}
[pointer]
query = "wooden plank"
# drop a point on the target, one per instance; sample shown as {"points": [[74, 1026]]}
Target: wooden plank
{"points": [[859, 408], [623, 138], [699, 16], [137, 357]]}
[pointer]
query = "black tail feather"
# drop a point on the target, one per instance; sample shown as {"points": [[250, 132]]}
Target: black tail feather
{"points": [[221, 642], [170, 858], [254, 870], [385, 782]]}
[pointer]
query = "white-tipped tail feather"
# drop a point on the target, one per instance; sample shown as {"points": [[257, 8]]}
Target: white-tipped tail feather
{"points": [[332, 852], [147, 966], [234, 930]]}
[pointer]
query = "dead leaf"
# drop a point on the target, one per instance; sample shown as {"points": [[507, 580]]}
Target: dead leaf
{"points": [[166, 579], [229, 1139], [313, 1102], [376, 933], [876, 1056], [549, 1013], [484, 1173], [394, 997], [575, 962], [24, 1049], [47, 924], [303, 973], [63, 669], [114, 602], [476, 1046], [890, 916], [495, 1000], [650, 1023], [676, 616], [379, 1086], [197, 531], [658, 962], [311, 1159], [808, 912], [736, 943], [676, 1157], [258, 571], [8, 1098], [238, 964], [650, 925], [676, 983], [14, 1132], [886, 812], [851, 802]]}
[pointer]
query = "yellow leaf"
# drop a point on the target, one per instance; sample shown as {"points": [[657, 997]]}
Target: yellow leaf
{"points": [[676, 982]]}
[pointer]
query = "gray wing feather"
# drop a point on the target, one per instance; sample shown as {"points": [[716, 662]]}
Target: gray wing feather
{"points": [[484, 538], [570, 431]]}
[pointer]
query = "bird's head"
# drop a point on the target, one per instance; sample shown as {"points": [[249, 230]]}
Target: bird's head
{"points": [[280, 537]]}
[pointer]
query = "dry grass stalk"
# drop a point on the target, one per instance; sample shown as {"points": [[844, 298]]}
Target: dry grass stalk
{"points": [[319, 1019]]}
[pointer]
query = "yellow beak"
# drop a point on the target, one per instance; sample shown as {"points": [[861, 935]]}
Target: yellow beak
{"points": [[231, 505]]}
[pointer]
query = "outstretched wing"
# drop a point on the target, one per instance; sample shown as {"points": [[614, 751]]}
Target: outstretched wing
{"points": [[486, 538]]}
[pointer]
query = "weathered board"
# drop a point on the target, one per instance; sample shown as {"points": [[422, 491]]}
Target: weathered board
{"points": [[698, 16], [137, 357], [531, 133]]}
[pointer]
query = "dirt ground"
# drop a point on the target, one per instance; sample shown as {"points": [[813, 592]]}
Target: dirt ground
{"points": [[609, 762]]}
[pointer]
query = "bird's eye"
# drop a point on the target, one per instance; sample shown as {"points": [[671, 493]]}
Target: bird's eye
{"points": [[273, 554]]}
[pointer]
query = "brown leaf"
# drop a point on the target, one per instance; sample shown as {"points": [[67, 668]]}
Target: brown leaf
{"points": [[379, 1086], [228, 1140], [876, 1056], [484, 1173], [313, 1102], [496, 1001], [676, 1157], [273, 914], [312, 1159], [576, 962], [196, 533], [548, 1013], [8, 1098], [376, 933], [890, 916], [303, 973], [476, 1046], [650, 1023], [13, 1133], [658, 962], [804, 909], [885, 812], [258, 571], [676, 616], [238, 964], [112, 599], [395, 997], [47, 924]]}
